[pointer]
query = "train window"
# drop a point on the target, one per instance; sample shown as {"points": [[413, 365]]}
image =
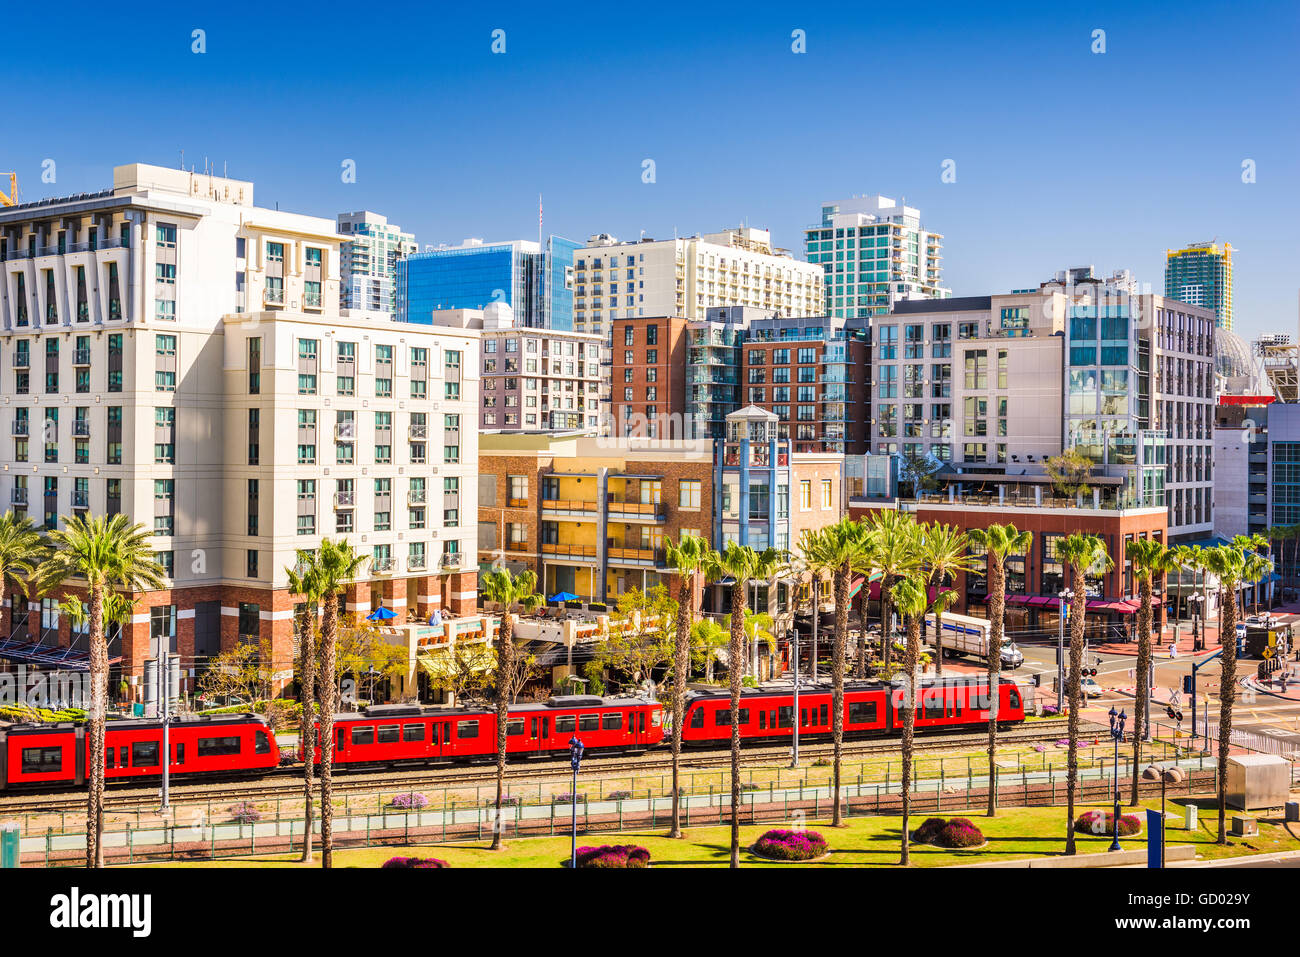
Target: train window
{"points": [[823, 715], [388, 733], [785, 717], [261, 743], [515, 726], [467, 729], [212, 747], [722, 717], [803, 717], [180, 753], [42, 760], [588, 722], [612, 722], [932, 710], [121, 756], [565, 723], [861, 712], [413, 732], [342, 736], [363, 735], [144, 754], [697, 717], [762, 719], [110, 758], [1013, 698]]}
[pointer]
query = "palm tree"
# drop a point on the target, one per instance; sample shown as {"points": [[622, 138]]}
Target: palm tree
{"points": [[817, 570], [945, 552], [109, 554], [304, 581], [1084, 554], [1150, 559], [909, 596], [897, 556], [846, 547], [511, 592], [21, 550], [999, 541], [743, 565], [689, 557], [707, 637], [1231, 565], [332, 566]]}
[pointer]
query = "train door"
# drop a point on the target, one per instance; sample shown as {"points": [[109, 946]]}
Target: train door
{"points": [[341, 738], [637, 725]]}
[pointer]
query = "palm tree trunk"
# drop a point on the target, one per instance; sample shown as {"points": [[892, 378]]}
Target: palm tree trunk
{"points": [[733, 674], [1072, 688], [98, 718], [911, 663], [1227, 697], [681, 662], [329, 645], [505, 675], [307, 728], [837, 682], [997, 611], [886, 635], [938, 638], [1143, 668]]}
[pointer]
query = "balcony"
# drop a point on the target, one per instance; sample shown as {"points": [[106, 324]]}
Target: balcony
{"points": [[21, 427], [573, 552], [450, 561], [418, 432], [345, 431], [636, 511], [273, 297], [80, 499], [345, 499], [81, 357], [516, 546], [516, 503], [647, 557], [416, 563], [81, 429], [382, 566], [567, 507], [417, 496], [22, 360], [18, 496]]}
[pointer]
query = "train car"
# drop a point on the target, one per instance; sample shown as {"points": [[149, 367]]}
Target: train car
{"points": [[870, 708], [414, 735], [54, 755]]}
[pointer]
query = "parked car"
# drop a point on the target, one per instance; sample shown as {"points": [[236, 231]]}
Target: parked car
{"points": [[1090, 688]]}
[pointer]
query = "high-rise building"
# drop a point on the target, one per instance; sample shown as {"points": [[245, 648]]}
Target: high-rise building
{"points": [[170, 352], [1201, 275], [535, 282], [874, 252], [368, 261], [683, 277]]}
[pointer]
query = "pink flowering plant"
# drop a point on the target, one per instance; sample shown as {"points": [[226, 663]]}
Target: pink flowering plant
{"points": [[420, 862], [613, 856], [783, 845]]}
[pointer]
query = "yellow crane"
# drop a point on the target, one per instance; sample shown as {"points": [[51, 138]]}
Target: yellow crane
{"points": [[10, 198]]}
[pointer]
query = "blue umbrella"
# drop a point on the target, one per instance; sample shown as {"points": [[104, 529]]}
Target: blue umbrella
{"points": [[381, 614], [564, 596]]}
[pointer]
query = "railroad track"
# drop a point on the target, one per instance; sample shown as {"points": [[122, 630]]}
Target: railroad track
{"points": [[287, 782]]}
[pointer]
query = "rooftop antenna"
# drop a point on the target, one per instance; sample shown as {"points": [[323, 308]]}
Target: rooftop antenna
{"points": [[182, 161]]}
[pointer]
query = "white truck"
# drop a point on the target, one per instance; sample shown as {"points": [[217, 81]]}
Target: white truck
{"points": [[964, 635]]}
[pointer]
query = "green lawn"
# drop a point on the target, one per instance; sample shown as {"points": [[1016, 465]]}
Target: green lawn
{"points": [[866, 841]]}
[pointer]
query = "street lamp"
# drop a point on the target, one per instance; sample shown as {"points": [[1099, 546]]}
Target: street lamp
{"points": [[1195, 601], [1117, 733], [575, 758], [1064, 598], [793, 635]]}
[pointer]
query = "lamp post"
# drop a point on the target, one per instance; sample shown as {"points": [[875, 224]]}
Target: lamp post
{"points": [[794, 643], [1167, 776], [1064, 598], [1117, 733], [1195, 601], [575, 759]]}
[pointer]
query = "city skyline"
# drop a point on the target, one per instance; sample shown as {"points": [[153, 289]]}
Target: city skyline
{"points": [[1029, 195]]}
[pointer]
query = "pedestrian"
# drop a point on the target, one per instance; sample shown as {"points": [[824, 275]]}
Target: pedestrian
{"points": [[1173, 649]]}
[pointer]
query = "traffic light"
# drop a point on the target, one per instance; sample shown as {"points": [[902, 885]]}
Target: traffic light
{"points": [[1189, 685], [1038, 679], [1169, 711]]}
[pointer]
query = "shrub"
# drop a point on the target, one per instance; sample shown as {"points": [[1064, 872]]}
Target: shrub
{"points": [[1103, 822], [409, 801], [750, 786], [959, 833], [245, 812], [414, 862], [613, 855], [568, 798], [618, 796], [782, 845], [929, 830], [507, 800]]}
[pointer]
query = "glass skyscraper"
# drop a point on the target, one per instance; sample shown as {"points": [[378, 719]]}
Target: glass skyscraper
{"points": [[1201, 275], [537, 284]]}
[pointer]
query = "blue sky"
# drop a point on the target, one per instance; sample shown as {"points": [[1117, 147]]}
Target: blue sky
{"points": [[1063, 156]]}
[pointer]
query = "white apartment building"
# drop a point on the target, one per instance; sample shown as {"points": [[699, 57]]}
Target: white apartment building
{"points": [[172, 352], [874, 252], [682, 277], [368, 261]]}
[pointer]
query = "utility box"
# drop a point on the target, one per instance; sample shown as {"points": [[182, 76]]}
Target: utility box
{"points": [[1258, 781], [9, 844], [1292, 811], [1190, 822], [1243, 825]]}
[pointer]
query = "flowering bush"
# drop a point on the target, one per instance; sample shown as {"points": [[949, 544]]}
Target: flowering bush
{"points": [[956, 833], [618, 796], [245, 812], [409, 801], [1103, 822], [749, 786], [613, 855], [783, 845], [507, 800], [414, 862], [568, 798]]}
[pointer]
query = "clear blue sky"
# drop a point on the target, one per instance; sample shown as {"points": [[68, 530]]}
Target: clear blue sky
{"points": [[1063, 156]]}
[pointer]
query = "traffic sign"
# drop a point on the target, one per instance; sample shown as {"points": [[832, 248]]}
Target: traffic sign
{"points": [[1269, 652]]}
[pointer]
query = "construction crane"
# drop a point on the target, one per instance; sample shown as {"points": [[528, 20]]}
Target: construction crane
{"points": [[1278, 355], [10, 198]]}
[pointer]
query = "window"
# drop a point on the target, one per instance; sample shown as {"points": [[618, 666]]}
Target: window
{"points": [[565, 723], [826, 493], [412, 732], [165, 372], [862, 712], [144, 754], [722, 717], [43, 760], [689, 493], [363, 735], [611, 722], [254, 365], [469, 729], [217, 747], [805, 494]]}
